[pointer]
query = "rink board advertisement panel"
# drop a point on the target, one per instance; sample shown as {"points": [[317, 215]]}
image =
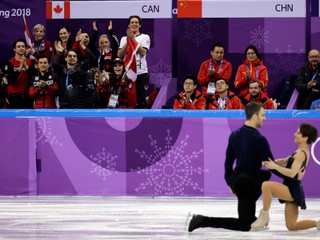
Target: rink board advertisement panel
{"points": [[135, 156]]}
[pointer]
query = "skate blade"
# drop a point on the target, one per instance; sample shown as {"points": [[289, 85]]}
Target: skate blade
{"points": [[188, 220], [259, 229]]}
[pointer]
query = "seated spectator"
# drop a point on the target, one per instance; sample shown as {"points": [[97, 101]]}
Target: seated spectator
{"points": [[224, 99], [212, 69], [80, 94], [120, 89], [190, 98], [255, 95], [43, 87], [252, 68], [308, 81], [40, 46]]}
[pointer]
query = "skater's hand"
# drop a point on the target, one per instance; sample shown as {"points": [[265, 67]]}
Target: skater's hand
{"points": [[270, 164]]}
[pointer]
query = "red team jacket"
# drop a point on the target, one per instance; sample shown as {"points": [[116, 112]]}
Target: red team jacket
{"points": [[18, 81], [262, 98], [198, 101], [257, 70], [42, 48], [223, 70], [43, 98], [233, 102]]}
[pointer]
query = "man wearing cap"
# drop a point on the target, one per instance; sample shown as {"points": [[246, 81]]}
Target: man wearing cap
{"points": [[224, 99]]}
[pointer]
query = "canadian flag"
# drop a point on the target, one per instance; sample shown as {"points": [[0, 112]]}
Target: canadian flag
{"points": [[58, 9], [26, 32], [130, 61]]}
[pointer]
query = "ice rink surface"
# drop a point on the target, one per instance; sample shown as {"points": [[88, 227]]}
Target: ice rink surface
{"points": [[73, 217]]}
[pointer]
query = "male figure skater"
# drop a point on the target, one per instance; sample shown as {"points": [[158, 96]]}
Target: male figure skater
{"points": [[248, 149]]}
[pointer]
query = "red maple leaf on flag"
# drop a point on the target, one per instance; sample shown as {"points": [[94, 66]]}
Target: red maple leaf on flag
{"points": [[58, 9]]}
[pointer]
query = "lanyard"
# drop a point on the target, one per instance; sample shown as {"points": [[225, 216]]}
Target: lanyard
{"points": [[315, 74], [118, 92], [67, 78], [222, 102], [99, 59], [257, 70], [220, 66], [40, 45]]}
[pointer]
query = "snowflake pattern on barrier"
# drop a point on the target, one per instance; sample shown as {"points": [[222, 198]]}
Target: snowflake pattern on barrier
{"points": [[259, 37], [173, 173], [197, 30], [44, 131], [159, 72], [104, 164], [285, 64]]}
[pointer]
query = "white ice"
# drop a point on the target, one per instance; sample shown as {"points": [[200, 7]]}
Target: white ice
{"points": [[73, 217]]}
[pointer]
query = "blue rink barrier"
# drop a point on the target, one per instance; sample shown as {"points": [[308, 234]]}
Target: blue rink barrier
{"points": [[6, 113]]}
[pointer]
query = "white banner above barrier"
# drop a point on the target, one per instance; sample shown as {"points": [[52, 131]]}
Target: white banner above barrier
{"points": [[241, 8], [108, 9]]}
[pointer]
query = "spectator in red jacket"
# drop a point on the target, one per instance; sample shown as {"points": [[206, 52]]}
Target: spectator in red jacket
{"points": [[43, 87], [213, 69], [255, 95], [224, 99], [120, 90], [18, 72], [252, 68], [190, 98]]}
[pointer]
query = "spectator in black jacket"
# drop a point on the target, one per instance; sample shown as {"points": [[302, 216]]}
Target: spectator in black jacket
{"points": [[64, 70], [308, 81], [82, 93]]}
